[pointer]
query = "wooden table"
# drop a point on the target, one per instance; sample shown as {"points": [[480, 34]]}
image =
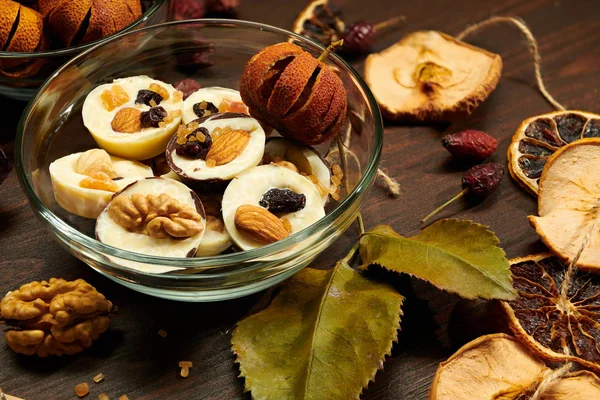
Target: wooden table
{"points": [[137, 361]]}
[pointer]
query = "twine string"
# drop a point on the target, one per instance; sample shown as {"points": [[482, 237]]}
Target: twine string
{"points": [[532, 45]]}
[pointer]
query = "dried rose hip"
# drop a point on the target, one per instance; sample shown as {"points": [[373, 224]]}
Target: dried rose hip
{"points": [[145, 96], [205, 108], [482, 180], [187, 9], [470, 145], [222, 8], [187, 87], [194, 147], [5, 166], [479, 181], [282, 201], [358, 38], [152, 117]]}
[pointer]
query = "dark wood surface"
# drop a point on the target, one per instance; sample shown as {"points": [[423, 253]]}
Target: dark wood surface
{"points": [[137, 361]]}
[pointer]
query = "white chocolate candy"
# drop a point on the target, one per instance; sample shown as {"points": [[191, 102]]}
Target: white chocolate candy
{"points": [[248, 189], [110, 232], [196, 168], [277, 146], [214, 94], [216, 239], [142, 145], [87, 202]]}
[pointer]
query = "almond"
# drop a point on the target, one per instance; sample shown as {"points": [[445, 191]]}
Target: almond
{"points": [[259, 224], [228, 146], [127, 120]]}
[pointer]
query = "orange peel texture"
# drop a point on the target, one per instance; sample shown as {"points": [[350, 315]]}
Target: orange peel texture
{"points": [[76, 22], [288, 89]]}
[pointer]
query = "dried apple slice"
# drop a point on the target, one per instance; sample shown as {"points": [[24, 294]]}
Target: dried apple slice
{"points": [[558, 328], [497, 366], [320, 21], [485, 369], [569, 204], [537, 138], [431, 76]]}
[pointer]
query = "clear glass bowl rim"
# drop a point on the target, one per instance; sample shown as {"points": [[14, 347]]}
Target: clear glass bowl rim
{"points": [[213, 262], [71, 51]]}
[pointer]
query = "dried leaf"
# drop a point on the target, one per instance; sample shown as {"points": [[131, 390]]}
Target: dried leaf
{"points": [[323, 337], [457, 256]]}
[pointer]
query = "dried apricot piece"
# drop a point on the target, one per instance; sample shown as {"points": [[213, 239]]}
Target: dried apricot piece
{"points": [[114, 97], [431, 76], [556, 327], [569, 204], [321, 22], [538, 137]]}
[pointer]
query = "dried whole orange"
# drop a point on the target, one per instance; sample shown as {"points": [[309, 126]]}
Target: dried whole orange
{"points": [[80, 21], [21, 30], [498, 367], [287, 88], [556, 326], [431, 76], [537, 138], [321, 22], [569, 204]]}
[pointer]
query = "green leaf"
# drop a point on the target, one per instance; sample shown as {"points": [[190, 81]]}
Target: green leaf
{"points": [[323, 337], [457, 256]]}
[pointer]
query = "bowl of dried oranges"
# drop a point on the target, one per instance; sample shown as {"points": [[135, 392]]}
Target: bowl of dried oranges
{"points": [[200, 160], [38, 36]]}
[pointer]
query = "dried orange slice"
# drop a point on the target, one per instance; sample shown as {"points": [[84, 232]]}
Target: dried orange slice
{"points": [[320, 21], [537, 138], [555, 327], [431, 76], [8, 16], [497, 366], [569, 204]]}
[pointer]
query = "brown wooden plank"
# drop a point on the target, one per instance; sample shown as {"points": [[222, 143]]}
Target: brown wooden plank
{"points": [[137, 361]]}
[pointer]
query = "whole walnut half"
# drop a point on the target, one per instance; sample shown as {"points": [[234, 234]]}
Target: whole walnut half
{"points": [[55, 317]]}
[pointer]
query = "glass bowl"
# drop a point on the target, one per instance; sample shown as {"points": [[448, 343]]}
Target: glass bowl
{"points": [[40, 64], [214, 52]]}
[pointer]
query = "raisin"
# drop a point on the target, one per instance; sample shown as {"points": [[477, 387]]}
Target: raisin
{"points": [[570, 126], [5, 166], [592, 129], [205, 108], [470, 145], [187, 87], [194, 148], [145, 96], [543, 129], [283, 201], [152, 117]]}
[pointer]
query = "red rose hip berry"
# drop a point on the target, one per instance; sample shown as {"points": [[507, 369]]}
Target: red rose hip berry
{"points": [[479, 182], [470, 145]]}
